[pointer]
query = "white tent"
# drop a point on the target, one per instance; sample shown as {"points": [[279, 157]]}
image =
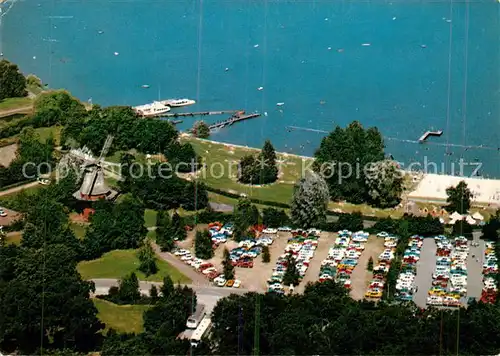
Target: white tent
{"points": [[456, 216], [470, 220], [477, 216]]}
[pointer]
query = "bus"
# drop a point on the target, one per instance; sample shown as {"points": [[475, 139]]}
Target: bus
{"points": [[196, 317], [200, 331]]}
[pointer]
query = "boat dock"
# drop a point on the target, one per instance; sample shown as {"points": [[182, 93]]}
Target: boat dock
{"points": [[428, 134], [199, 113], [238, 116]]}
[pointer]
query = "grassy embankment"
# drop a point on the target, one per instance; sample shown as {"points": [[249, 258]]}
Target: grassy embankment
{"points": [[122, 318], [118, 263], [15, 103]]}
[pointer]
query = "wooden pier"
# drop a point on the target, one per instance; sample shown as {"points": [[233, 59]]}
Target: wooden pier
{"points": [[199, 113], [428, 134], [239, 116]]}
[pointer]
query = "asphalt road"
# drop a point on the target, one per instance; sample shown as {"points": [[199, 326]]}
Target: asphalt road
{"points": [[475, 268], [205, 294], [425, 268]]}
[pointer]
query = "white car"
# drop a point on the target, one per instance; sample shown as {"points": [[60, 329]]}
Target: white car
{"points": [[285, 228], [181, 252], [3, 213], [270, 231], [186, 258], [220, 281], [237, 283], [209, 270]]}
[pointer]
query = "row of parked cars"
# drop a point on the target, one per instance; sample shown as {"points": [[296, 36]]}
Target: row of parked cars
{"points": [[376, 287], [301, 250], [219, 233], [343, 257], [490, 272], [405, 284], [449, 283]]}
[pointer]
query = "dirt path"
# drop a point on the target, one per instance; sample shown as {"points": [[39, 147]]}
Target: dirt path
{"points": [[7, 154], [312, 275], [23, 110], [18, 189], [360, 278]]}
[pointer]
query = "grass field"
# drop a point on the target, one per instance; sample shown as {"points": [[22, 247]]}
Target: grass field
{"points": [[14, 238], [122, 318], [221, 169], [119, 263], [45, 132], [150, 217], [78, 229], [15, 103]]}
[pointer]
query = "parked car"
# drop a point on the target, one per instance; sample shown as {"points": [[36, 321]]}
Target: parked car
{"points": [[3, 213]]}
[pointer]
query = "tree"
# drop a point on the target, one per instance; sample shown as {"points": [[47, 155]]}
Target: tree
{"points": [[182, 157], [369, 266], [459, 198], [260, 169], [266, 255], [128, 291], [164, 237], [384, 181], [228, 268], [310, 201], [203, 245], [291, 276], [245, 215], [12, 82], [147, 259], [115, 226], [462, 228], [344, 153], [201, 130], [167, 287], [352, 222], [491, 228], [178, 227], [69, 319], [153, 294], [272, 217], [57, 108]]}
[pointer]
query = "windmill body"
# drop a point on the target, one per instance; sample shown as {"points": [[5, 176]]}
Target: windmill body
{"points": [[93, 186]]}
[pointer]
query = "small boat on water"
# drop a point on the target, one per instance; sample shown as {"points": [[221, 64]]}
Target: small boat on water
{"points": [[280, 104], [260, 88], [366, 44], [156, 108], [176, 103], [145, 86]]}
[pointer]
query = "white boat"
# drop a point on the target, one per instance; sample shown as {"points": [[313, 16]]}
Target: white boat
{"points": [[175, 103], [280, 104], [154, 109], [366, 44]]}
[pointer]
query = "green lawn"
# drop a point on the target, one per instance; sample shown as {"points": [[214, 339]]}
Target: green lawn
{"points": [[14, 238], [221, 171], [45, 132], [79, 230], [122, 318], [14, 103], [150, 217], [119, 263]]}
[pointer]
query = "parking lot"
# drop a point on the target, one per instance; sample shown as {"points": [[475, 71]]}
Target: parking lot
{"points": [[427, 266]]}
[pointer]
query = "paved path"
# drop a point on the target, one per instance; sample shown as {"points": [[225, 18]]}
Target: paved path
{"points": [[197, 278], [209, 296], [425, 268], [18, 189], [475, 268]]}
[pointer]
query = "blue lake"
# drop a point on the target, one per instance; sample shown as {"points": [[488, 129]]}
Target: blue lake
{"points": [[430, 65]]}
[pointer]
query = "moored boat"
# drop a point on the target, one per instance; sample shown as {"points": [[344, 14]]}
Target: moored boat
{"points": [[154, 109], [175, 103]]}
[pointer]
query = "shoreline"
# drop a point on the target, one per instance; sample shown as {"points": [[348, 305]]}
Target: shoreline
{"points": [[429, 187]]}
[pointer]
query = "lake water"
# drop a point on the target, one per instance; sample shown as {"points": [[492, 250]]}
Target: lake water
{"points": [[430, 65]]}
